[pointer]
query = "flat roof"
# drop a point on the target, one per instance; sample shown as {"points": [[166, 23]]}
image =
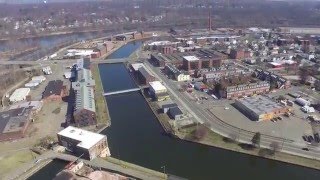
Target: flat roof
{"points": [[87, 139], [260, 104], [136, 66], [53, 88], [14, 120], [157, 86], [19, 94], [191, 58]]}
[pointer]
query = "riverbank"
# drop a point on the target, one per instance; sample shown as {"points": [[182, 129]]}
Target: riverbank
{"points": [[102, 112], [215, 140]]}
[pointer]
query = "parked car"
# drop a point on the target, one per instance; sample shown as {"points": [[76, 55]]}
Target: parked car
{"points": [[305, 149]]}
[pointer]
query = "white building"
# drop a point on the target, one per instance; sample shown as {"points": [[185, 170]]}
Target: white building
{"points": [[156, 87], [31, 84], [182, 77], [39, 78], [19, 95], [86, 144]]}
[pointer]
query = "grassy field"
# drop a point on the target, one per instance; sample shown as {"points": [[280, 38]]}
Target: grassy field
{"points": [[101, 104], [12, 161], [213, 139]]}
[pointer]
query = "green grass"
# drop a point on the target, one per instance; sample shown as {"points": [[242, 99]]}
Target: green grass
{"points": [[11, 162], [216, 140], [101, 104]]}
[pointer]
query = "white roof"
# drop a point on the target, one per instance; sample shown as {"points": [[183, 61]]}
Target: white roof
{"points": [[32, 84], [191, 58], [35, 104], [136, 66], [87, 139], [38, 78], [68, 74], [275, 63], [19, 94], [157, 86]]}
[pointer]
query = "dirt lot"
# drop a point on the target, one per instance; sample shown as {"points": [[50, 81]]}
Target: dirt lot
{"points": [[48, 122]]}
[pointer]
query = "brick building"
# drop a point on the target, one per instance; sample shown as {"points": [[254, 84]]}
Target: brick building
{"points": [[239, 54], [14, 123], [54, 91], [260, 108], [233, 92], [83, 143]]}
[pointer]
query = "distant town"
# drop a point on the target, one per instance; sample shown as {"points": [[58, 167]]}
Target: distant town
{"points": [[250, 89]]}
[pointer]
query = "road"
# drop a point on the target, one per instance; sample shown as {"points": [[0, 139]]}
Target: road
{"points": [[113, 164], [218, 126], [49, 62]]}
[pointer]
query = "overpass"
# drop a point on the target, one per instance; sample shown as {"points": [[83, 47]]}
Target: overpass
{"points": [[121, 91]]}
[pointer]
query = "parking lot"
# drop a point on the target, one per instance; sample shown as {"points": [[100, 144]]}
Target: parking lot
{"points": [[293, 127]]}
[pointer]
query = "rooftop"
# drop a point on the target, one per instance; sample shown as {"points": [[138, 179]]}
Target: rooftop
{"points": [[136, 66], [53, 88], [157, 86], [191, 58], [19, 94], [86, 139], [260, 104], [85, 99], [14, 120]]}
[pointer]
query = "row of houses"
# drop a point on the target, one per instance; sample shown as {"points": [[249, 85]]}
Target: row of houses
{"points": [[233, 92], [277, 80]]}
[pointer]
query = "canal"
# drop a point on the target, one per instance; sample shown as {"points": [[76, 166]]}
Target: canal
{"points": [[136, 136]]}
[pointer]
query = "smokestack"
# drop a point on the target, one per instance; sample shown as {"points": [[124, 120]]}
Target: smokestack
{"points": [[209, 22]]}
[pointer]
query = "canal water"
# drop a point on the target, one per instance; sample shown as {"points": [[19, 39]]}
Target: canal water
{"points": [[49, 171], [136, 136]]}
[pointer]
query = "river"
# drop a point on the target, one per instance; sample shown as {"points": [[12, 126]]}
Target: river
{"points": [[51, 41]]}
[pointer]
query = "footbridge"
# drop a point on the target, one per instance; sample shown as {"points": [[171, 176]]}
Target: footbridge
{"points": [[121, 91]]}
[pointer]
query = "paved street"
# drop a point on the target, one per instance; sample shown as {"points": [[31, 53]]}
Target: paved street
{"points": [[218, 126]]}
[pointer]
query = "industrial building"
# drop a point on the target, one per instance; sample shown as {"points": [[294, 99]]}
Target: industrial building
{"points": [[302, 102], [85, 110], [14, 123], [54, 91], [260, 108], [158, 91], [217, 74], [19, 95], [84, 113], [35, 81], [231, 92], [83, 143], [144, 76], [191, 60]]}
